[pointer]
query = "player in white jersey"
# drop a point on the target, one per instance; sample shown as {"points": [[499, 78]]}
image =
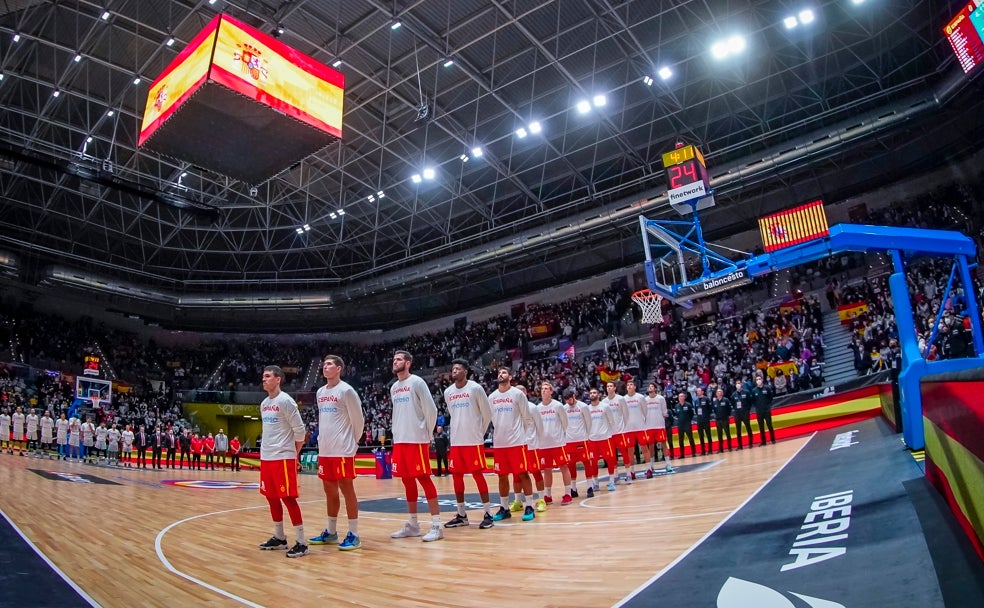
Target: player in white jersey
{"points": [[620, 414], [101, 447], [533, 432], [32, 432], [553, 442], [656, 423], [468, 406], [578, 429], [600, 442], [17, 420], [47, 424], [88, 440], [126, 437], [74, 438], [414, 419], [61, 436], [113, 445], [635, 428], [340, 425], [283, 436], [5, 431], [510, 420]]}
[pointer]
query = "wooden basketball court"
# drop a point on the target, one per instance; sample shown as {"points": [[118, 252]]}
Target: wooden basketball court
{"points": [[144, 543]]}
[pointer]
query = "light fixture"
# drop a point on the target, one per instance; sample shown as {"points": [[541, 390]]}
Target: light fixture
{"points": [[307, 227], [341, 212], [463, 158], [372, 199], [857, 2], [448, 62], [170, 41], [725, 48], [110, 112], [333, 215], [1, 75], [806, 16], [736, 44], [648, 81], [78, 58], [106, 15], [184, 174], [16, 37], [477, 152], [415, 178], [381, 194], [599, 101], [299, 230], [88, 140], [278, 31], [136, 80], [790, 22], [521, 132], [396, 25], [429, 173], [665, 73], [211, 1], [583, 107], [337, 63], [55, 93], [535, 127]]}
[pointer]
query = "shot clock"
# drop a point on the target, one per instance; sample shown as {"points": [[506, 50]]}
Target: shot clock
{"points": [[686, 175]]}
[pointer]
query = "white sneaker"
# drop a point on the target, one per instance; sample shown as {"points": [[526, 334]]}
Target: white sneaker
{"points": [[436, 533], [407, 531]]}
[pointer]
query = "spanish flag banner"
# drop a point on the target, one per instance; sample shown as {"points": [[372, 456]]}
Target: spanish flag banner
{"points": [[794, 226], [787, 367], [846, 312]]}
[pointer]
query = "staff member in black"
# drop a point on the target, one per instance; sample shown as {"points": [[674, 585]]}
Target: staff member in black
{"points": [[670, 420], [184, 443], [722, 417], [762, 398], [171, 443], [140, 441], [441, 445], [157, 443], [685, 421], [741, 403], [703, 410]]}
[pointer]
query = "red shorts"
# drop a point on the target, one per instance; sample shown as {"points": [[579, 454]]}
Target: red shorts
{"points": [[552, 457], [533, 460], [618, 442], [657, 435], [411, 460], [278, 478], [601, 449], [511, 460], [333, 468], [467, 459], [577, 451], [634, 437]]}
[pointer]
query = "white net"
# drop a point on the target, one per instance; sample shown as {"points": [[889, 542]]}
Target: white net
{"points": [[651, 305]]}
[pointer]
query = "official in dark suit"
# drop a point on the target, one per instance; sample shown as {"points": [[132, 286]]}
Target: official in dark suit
{"points": [[141, 440], [158, 442]]}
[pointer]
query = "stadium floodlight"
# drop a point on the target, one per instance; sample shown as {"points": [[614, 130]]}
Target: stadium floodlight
{"points": [[55, 93], [170, 41], [16, 37], [521, 132], [725, 48], [337, 63], [333, 215], [599, 101], [341, 212], [535, 127], [415, 178], [372, 198], [448, 62], [299, 230], [647, 80], [307, 227], [806, 16], [380, 195], [477, 152], [106, 15], [463, 158], [429, 173], [736, 44], [583, 107], [78, 58], [665, 73], [396, 25], [790, 22], [136, 81]]}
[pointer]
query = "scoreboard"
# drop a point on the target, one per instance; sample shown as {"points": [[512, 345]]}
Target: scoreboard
{"points": [[966, 34], [686, 175]]}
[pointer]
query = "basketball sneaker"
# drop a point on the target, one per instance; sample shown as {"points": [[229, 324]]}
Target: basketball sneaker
{"points": [[435, 533], [407, 531], [566, 500], [298, 550], [590, 492], [502, 513], [541, 506], [548, 499], [274, 543], [458, 521], [649, 473], [574, 493], [516, 505], [487, 522], [629, 478], [528, 513], [611, 486], [351, 543], [670, 469], [325, 538]]}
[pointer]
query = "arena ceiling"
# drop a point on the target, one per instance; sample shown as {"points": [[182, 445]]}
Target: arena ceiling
{"points": [[865, 94]]}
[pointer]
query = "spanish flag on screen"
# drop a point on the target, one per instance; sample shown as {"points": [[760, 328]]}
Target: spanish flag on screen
{"points": [[794, 226]]}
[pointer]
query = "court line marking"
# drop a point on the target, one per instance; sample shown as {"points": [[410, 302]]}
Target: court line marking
{"points": [[693, 547], [85, 596]]}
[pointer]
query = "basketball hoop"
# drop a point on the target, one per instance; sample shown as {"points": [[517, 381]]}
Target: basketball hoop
{"points": [[651, 305], [95, 401]]}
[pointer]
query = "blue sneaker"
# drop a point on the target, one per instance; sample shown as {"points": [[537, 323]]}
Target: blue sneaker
{"points": [[325, 538], [351, 543], [590, 492], [502, 513], [611, 486], [528, 514]]}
